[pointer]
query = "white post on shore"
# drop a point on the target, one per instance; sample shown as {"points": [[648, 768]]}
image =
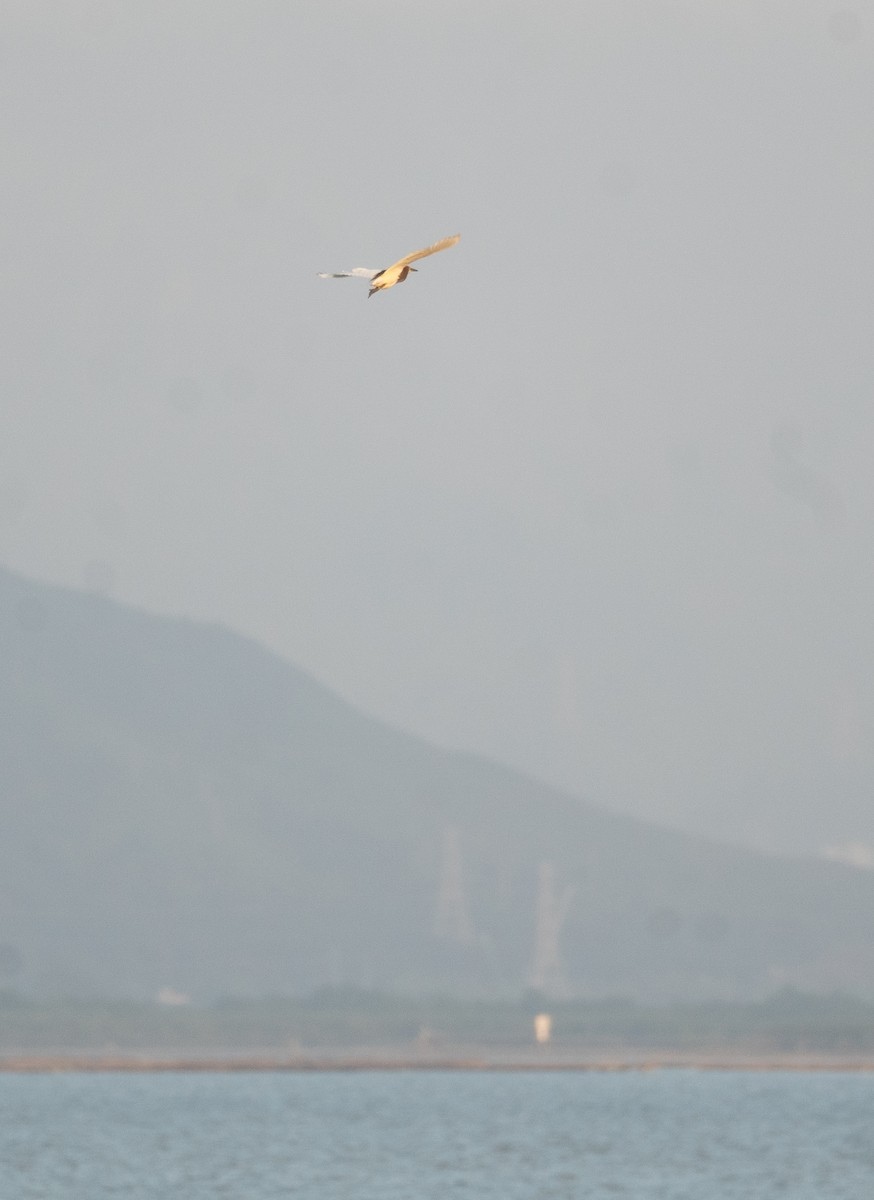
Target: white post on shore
{"points": [[542, 1029]]}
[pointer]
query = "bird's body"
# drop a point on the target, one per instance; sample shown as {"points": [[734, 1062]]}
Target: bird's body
{"points": [[396, 273]]}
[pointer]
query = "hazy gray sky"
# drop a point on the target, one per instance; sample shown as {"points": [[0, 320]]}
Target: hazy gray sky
{"points": [[592, 493]]}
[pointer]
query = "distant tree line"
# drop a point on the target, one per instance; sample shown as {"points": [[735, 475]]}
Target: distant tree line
{"points": [[348, 1019]]}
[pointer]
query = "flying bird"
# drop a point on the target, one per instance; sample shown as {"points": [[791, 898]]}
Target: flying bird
{"points": [[396, 273]]}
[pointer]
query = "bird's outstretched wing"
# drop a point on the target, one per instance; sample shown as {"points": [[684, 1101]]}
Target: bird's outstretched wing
{"points": [[357, 272], [443, 244]]}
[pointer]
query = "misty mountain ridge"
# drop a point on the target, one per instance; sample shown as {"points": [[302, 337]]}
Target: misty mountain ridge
{"points": [[617, 534], [183, 809]]}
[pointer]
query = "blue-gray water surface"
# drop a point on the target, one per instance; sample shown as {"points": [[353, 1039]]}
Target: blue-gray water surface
{"points": [[670, 1134]]}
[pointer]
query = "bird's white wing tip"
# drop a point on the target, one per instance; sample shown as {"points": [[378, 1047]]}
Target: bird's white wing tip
{"points": [[357, 273]]}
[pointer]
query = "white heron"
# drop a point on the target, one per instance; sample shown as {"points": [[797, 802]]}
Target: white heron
{"points": [[396, 273]]}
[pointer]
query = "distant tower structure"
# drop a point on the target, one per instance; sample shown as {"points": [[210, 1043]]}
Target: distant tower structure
{"points": [[547, 972], [451, 921]]}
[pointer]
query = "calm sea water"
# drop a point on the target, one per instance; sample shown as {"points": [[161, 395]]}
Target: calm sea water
{"points": [[385, 1136]]}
